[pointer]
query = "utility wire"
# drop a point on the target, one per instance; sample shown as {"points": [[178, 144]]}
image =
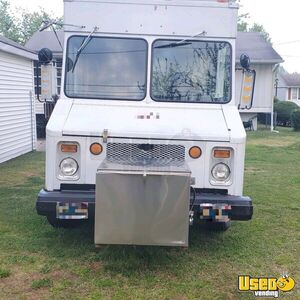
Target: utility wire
{"points": [[287, 43], [290, 56]]}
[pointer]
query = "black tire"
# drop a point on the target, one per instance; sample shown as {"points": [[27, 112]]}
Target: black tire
{"points": [[217, 226], [57, 223]]}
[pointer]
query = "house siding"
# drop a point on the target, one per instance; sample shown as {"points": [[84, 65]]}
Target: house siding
{"points": [[17, 109], [282, 93], [282, 89]]}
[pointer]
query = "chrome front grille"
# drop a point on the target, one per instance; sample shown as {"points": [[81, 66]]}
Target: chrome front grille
{"points": [[145, 154]]}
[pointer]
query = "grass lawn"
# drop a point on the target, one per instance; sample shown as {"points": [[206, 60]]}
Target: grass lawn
{"points": [[39, 262]]}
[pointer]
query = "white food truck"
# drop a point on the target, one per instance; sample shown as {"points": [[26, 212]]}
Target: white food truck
{"points": [[146, 137]]}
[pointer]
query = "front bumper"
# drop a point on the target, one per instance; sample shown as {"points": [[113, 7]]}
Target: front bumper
{"points": [[241, 207]]}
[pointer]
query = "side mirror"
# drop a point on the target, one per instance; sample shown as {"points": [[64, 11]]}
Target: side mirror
{"points": [[48, 82], [48, 76], [248, 87], [245, 62], [248, 83], [45, 56]]}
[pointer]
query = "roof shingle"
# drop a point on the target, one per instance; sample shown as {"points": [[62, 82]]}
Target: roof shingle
{"points": [[12, 47], [251, 43], [259, 50], [291, 80]]}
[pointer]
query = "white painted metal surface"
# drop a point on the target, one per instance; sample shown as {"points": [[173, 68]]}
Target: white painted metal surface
{"points": [[17, 115], [208, 124], [160, 17], [204, 125], [89, 163]]}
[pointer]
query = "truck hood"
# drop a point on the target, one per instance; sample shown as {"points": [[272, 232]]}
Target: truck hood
{"points": [[147, 123]]}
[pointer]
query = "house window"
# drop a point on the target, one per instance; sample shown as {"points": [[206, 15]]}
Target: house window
{"points": [[294, 94], [58, 64], [298, 94], [37, 78]]}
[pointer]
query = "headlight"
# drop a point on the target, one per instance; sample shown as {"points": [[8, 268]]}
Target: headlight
{"points": [[220, 172], [68, 167]]}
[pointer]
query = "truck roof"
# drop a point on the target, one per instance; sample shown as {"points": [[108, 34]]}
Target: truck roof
{"points": [[217, 18], [164, 2]]}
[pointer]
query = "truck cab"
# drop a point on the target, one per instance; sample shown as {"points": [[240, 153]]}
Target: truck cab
{"points": [[148, 86]]}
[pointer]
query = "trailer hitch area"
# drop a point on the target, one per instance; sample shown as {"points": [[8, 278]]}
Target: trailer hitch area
{"points": [[215, 212]]}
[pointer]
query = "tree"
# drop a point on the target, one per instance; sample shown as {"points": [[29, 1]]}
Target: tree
{"points": [[260, 28], [242, 22], [20, 29], [8, 22], [30, 23], [244, 26]]}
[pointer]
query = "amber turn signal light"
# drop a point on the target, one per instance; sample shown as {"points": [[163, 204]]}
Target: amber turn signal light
{"points": [[195, 152], [69, 148], [222, 153], [96, 148]]}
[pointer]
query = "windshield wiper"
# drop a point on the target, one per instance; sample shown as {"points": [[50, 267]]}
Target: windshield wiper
{"points": [[85, 42], [173, 45], [182, 42]]}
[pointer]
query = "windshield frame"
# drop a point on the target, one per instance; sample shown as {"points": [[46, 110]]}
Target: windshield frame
{"points": [[230, 98], [107, 98]]}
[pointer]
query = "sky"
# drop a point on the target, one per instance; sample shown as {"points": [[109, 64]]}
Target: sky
{"points": [[280, 18], [55, 6]]}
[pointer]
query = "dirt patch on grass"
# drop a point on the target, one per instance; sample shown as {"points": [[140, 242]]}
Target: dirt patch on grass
{"points": [[21, 179], [276, 142], [29, 174], [59, 274], [20, 284], [96, 266], [179, 297], [253, 170], [27, 284]]}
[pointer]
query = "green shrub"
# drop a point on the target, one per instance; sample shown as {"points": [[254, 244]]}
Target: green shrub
{"points": [[296, 120], [284, 111]]}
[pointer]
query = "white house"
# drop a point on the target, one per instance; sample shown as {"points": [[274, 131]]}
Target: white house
{"points": [[263, 57], [17, 110], [265, 61], [288, 87]]}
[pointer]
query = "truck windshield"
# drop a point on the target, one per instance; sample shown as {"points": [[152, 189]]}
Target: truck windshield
{"points": [[191, 71], [107, 68]]}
